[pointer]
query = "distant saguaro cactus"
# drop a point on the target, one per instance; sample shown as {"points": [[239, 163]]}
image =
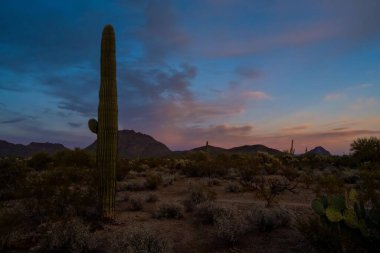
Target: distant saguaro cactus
{"points": [[292, 150], [106, 127]]}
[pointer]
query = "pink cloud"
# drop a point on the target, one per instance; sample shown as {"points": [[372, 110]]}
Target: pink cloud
{"points": [[259, 95]]}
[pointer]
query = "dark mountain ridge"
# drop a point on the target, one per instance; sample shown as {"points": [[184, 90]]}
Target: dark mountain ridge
{"points": [[319, 151], [10, 149], [133, 144]]}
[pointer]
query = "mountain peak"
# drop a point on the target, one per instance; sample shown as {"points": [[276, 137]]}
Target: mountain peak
{"points": [[319, 150], [133, 144]]}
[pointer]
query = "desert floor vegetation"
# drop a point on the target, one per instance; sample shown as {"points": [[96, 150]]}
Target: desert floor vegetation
{"points": [[253, 204]]}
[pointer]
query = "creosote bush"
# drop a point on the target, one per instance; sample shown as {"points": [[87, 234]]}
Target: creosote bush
{"points": [[151, 198], [169, 211], [61, 192], [40, 161], [207, 212], [197, 195], [69, 236], [136, 203], [139, 240], [233, 187], [267, 219], [13, 173], [152, 181], [229, 226], [135, 186]]}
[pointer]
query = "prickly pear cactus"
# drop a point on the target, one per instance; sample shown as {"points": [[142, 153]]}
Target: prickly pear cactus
{"points": [[333, 214], [337, 202], [350, 218], [318, 207], [335, 209]]}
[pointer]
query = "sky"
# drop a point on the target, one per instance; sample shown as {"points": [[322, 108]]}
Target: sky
{"points": [[231, 72]]}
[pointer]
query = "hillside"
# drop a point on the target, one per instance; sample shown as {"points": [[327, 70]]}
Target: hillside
{"points": [[10, 149], [133, 144], [254, 149]]}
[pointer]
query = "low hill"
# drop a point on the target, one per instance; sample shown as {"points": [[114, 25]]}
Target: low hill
{"points": [[319, 151], [211, 149], [132, 144], [255, 149]]}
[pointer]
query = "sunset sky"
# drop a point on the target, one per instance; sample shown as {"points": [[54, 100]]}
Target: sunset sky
{"points": [[232, 72]]}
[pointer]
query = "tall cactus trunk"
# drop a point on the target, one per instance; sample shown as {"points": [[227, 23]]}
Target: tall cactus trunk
{"points": [[107, 126]]}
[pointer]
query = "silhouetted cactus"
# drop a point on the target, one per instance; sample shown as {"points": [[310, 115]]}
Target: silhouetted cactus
{"points": [[292, 150], [106, 126]]}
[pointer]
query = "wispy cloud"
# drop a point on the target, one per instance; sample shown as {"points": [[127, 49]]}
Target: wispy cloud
{"points": [[333, 96], [258, 95], [296, 128], [14, 120], [74, 124], [364, 103]]}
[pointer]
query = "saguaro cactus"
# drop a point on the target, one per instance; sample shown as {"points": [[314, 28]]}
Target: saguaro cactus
{"points": [[106, 126], [292, 150]]}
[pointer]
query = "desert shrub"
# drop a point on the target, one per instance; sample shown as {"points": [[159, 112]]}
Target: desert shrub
{"points": [[366, 150], [168, 180], [12, 219], [61, 192], [306, 179], [351, 179], [151, 198], [192, 169], [197, 195], [269, 188], [267, 219], [74, 158], [247, 175], [314, 161], [214, 168], [121, 186], [229, 226], [40, 161], [136, 203], [213, 182], [169, 211], [267, 162], [139, 240], [122, 169], [12, 177], [370, 184], [207, 212], [153, 180], [290, 172], [330, 184], [69, 236], [135, 186], [233, 187]]}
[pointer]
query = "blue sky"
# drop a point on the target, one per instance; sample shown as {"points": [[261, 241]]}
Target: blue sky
{"points": [[232, 72]]}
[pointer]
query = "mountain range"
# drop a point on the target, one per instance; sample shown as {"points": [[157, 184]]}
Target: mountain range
{"points": [[10, 149], [133, 144]]}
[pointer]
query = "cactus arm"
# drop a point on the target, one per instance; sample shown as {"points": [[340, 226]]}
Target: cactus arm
{"points": [[93, 125]]}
